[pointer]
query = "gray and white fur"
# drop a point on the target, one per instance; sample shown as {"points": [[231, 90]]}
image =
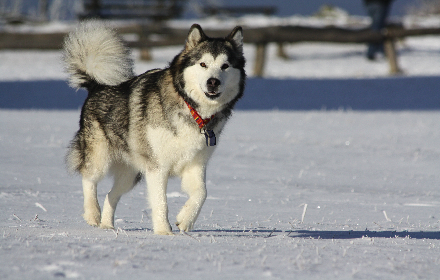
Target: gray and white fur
{"points": [[133, 126]]}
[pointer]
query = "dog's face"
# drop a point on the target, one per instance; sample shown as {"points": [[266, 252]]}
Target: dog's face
{"points": [[213, 74]]}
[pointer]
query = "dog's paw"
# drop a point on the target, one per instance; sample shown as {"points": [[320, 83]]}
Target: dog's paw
{"points": [[92, 218], [106, 226], [184, 226], [185, 222], [163, 229], [163, 232]]}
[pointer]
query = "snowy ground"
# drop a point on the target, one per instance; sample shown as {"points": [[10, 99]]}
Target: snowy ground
{"points": [[290, 195], [339, 194]]}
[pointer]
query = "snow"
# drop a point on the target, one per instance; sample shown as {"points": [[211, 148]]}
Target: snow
{"points": [[349, 192], [369, 180]]}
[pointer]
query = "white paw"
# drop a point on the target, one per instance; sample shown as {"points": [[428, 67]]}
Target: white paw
{"points": [[160, 232], [93, 218], [185, 219], [185, 226], [106, 226], [162, 229]]}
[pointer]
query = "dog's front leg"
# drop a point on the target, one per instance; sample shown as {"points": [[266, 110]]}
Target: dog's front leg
{"points": [[193, 183], [157, 187]]}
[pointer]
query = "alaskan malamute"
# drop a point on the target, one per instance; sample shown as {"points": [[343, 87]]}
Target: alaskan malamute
{"points": [[162, 123]]}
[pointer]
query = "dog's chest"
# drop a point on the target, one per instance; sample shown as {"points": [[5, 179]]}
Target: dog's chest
{"points": [[177, 148]]}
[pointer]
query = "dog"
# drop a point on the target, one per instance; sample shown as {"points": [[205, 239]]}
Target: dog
{"points": [[162, 123]]}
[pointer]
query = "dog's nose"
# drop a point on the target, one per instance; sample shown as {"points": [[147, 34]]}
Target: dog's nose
{"points": [[213, 82]]}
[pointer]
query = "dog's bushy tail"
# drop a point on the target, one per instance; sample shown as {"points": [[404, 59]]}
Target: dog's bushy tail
{"points": [[95, 54]]}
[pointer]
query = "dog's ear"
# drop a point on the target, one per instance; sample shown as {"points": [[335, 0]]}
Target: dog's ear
{"points": [[195, 36], [236, 37]]}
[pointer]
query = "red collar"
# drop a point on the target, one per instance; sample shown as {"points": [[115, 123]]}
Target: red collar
{"points": [[201, 122]]}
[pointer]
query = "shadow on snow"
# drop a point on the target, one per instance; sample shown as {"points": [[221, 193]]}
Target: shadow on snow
{"points": [[321, 234], [306, 234], [399, 93]]}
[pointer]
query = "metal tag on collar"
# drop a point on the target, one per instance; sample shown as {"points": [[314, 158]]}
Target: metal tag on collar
{"points": [[210, 137]]}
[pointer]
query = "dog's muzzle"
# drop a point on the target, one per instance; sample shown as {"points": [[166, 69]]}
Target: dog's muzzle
{"points": [[212, 84]]}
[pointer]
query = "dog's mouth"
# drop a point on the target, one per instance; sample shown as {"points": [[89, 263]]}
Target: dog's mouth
{"points": [[212, 85], [212, 94]]}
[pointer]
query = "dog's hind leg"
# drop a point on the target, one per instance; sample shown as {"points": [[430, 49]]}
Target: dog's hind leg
{"points": [[92, 211], [92, 150], [193, 183], [125, 179], [157, 187]]}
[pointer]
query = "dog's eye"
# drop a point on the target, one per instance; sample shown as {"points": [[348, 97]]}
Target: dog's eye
{"points": [[203, 64], [225, 66]]}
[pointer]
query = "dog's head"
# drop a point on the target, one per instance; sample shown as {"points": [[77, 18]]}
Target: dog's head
{"points": [[211, 72]]}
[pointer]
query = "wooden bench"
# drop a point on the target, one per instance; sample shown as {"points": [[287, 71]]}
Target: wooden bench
{"points": [[160, 35], [239, 10], [156, 10], [262, 36]]}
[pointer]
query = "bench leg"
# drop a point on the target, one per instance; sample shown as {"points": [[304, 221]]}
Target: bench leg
{"points": [[146, 54], [260, 57], [281, 51], [390, 52]]}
